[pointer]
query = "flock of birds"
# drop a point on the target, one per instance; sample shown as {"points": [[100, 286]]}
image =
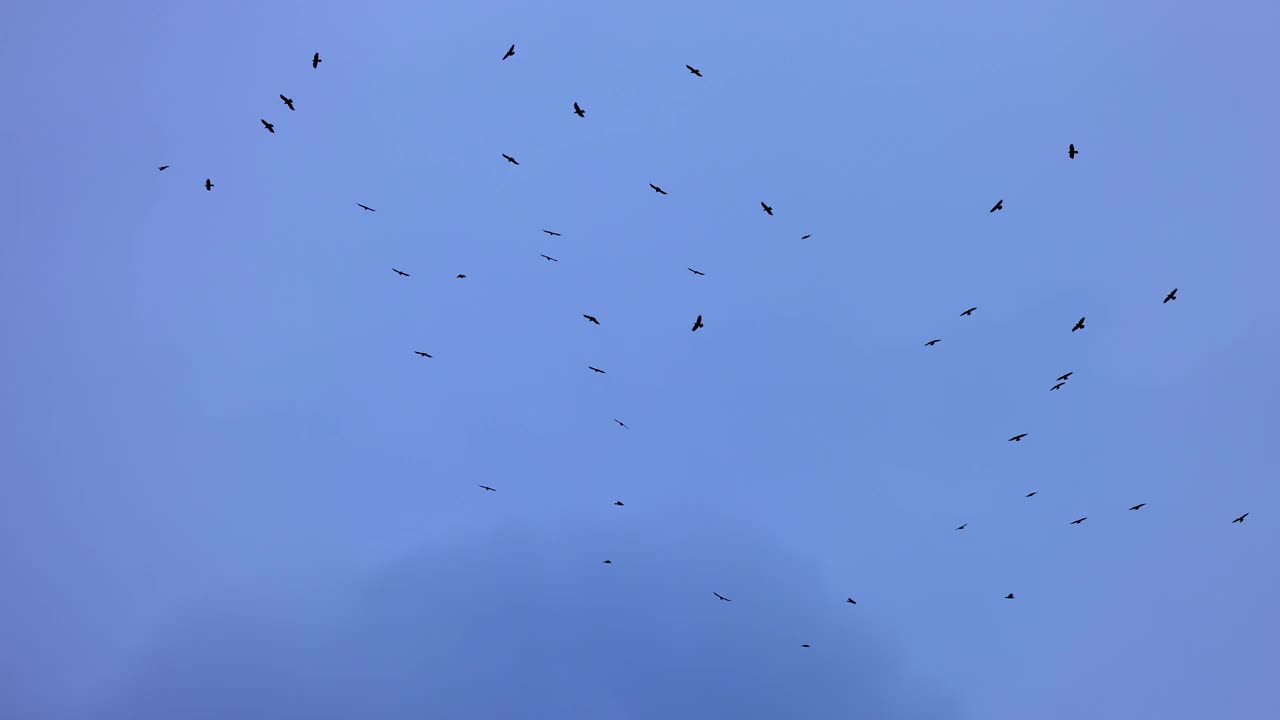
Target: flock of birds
{"points": [[697, 323]]}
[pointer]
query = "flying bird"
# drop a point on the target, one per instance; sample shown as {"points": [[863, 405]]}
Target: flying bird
{"points": [[1067, 376], [315, 60], [1071, 151], [366, 207], [607, 562], [968, 312], [596, 369], [163, 168], [694, 70], [1079, 325], [1009, 596], [549, 258], [697, 324], [805, 237], [1078, 521], [208, 184], [578, 111], [460, 276], [510, 159], [486, 487], [624, 425], [419, 352], [401, 273], [287, 101], [998, 206], [618, 503], [931, 343], [696, 272], [1138, 506], [1173, 295], [1018, 437], [804, 646], [963, 526], [510, 51], [657, 189], [551, 233], [768, 209], [851, 601], [1032, 493], [713, 592], [592, 318], [270, 128], [1057, 387], [1241, 518]]}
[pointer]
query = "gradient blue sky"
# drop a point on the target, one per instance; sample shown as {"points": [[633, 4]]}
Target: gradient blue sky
{"points": [[231, 490]]}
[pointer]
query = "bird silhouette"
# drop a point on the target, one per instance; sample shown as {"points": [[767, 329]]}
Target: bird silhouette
{"points": [[578, 111], [551, 233], [657, 189], [968, 312], [713, 592], [697, 324], [549, 258], [694, 70], [315, 60], [270, 128], [767, 209], [163, 168], [1071, 151], [419, 352], [1173, 295], [618, 503], [931, 343], [624, 425], [805, 237], [1058, 386], [1018, 437], [963, 526], [1138, 506], [208, 184], [460, 276], [1067, 376], [998, 206], [486, 487], [1032, 493], [1241, 518], [1079, 325], [607, 562], [696, 272], [1078, 521], [851, 601], [287, 101], [366, 207], [596, 369], [401, 273], [592, 318], [804, 646], [510, 51], [510, 159], [1009, 596]]}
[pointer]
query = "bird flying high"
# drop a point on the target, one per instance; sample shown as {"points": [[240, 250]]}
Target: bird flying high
{"points": [[998, 206], [510, 51], [694, 70], [697, 324], [1071, 151], [768, 209], [287, 101], [270, 128], [592, 319], [657, 189], [578, 111], [968, 312], [510, 159], [713, 592], [1079, 325], [1018, 437], [315, 60], [208, 184], [1173, 295], [366, 207], [696, 272]]}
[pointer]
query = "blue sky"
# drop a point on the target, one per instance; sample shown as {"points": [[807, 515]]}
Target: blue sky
{"points": [[229, 487]]}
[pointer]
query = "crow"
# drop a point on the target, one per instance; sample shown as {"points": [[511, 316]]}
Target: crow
{"points": [[1009, 596], [270, 128], [486, 487], [1078, 521], [657, 189], [851, 601], [460, 276], [696, 272], [163, 168], [1241, 518], [510, 51], [208, 184], [697, 324], [287, 101], [1079, 325], [315, 60], [1067, 376], [618, 503], [579, 111], [694, 70], [419, 352], [713, 592], [931, 343], [1058, 386], [551, 233], [963, 526], [624, 425], [767, 209], [1018, 437], [1173, 295], [592, 319], [510, 159], [1032, 493], [1138, 506], [968, 312], [596, 369], [607, 562], [805, 237], [366, 207], [804, 646], [1071, 151], [549, 258], [998, 206], [401, 273]]}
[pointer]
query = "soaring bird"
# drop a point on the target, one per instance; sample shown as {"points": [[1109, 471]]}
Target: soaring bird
{"points": [[578, 111], [596, 369], [549, 258], [607, 562], [460, 276], [624, 425], [419, 352], [1009, 596], [1067, 376], [968, 312], [697, 324], [270, 128], [510, 51], [366, 207], [401, 273], [805, 237], [766, 208], [657, 189], [1032, 493], [510, 159], [1071, 151], [1138, 506], [804, 646], [552, 233], [851, 601], [696, 272], [713, 592], [486, 487], [315, 60], [1078, 521], [694, 70], [618, 503], [287, 101], [963, 526], [1018, 437], [208, 184], [998, 206], [931, 343], [1058, 386], [1079, 325], [592, 318], [163, 168], [1173, 295], [1241, 518]]}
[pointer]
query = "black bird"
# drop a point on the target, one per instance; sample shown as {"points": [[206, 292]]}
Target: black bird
{"points": [[1079, 325], [1241, 518], [460, 276], [208, 184], [287, 101], [1032, 493], [618, 503], [963, 526], [1058, 386], [1018, 437], [163, 168], [1173, 295], [624, 425], [998, 206], [270, 128], [510, 159], [596, 369], [1078, 521], [1138, 506], [510, 51], [968, 312], [804, 646], [1071, 151], [1009, 596], [366, 207], [592, 319], [696, 272], [401, 273], [549, 258], [694, 70], [551, 233], [767, 208], [315, 60], [657, 189], [419, 352], [697, 324], [805, 237], [486, 487], [851, 601], [713, 592], [1067, 376], [607, 562], [578, 111], [931, 343]]}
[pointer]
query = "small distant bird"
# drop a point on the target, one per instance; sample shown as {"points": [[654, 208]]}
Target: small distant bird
{"points": [[163, 168], [551, 233], [931, 343], [486, 487], [549, 258], [419, 352], [596, 369], [510, 51], [366, 207], [1067, 376], [1018, 437], [624, 425], [963, 526], [657, 189], [607, 562], [713, 592], [1032, 493], [578, 111], [767, 208], [1173, 295], [851, 601], [696, 272], [998, 206], [460, 276], [618, 503], [1071, 151], [1058, 386], [401, 273], [1078, 521], [1079, 325], [968, 312], [208, 184], [270, 128], [315, 60], [1138, 506], [805, 237], [1241, 518], [1009, 596], [804, 646], [287, 101], [592, 318], [697, 324], [510, 159], [694, 70]]}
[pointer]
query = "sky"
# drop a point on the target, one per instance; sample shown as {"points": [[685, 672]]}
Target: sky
{"points": [[229, 488]]}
